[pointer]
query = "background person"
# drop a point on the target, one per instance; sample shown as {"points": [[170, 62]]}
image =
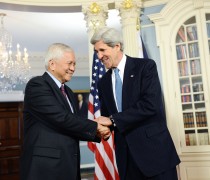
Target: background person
{"points": [[82, 105]]}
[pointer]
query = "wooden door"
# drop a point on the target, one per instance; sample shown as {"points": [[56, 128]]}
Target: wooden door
{"points": [[11, 126]]}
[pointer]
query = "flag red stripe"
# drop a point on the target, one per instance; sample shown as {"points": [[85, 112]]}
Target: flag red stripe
{"points": [[102, 165], [90, 107], [109, 153], [92, 146], [105, 168], [117, 177], [95, 177]]}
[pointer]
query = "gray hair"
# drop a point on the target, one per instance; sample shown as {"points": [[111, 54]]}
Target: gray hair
{"points": [[56, 51], [109, 36]]}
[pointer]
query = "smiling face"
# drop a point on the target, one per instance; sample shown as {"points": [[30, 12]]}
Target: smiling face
{"points": [[63, 68], [110, 56]]}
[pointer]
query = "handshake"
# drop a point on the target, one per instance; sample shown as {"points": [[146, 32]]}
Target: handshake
{"points": [[103, 129]]}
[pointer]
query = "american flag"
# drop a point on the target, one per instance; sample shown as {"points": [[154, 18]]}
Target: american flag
{"points": [[105, 164]]}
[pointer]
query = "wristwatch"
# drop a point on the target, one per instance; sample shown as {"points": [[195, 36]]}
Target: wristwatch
{"points": [[112, 119]]}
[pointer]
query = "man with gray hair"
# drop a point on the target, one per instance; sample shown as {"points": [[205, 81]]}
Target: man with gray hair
{"points": [[52, 127], [131, 104]]}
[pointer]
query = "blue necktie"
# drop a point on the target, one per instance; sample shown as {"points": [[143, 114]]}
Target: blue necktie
{"points": [[118, 89]]}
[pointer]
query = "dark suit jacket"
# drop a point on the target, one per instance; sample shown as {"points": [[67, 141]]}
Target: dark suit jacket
{"points": [[141, 126], [52, 132]]}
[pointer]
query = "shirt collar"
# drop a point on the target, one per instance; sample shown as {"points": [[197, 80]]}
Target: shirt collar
{"points": [[54, 79], [121, 65]]}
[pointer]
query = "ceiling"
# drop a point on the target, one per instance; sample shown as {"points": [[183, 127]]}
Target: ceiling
{"points": [[36, 27]]}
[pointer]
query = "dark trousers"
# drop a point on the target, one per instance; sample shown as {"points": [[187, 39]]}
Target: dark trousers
{"points": [[133, 173]]}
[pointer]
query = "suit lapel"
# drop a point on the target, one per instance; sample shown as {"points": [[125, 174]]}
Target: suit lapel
{"points": [[128, 84], [56, 89], [71, 97], [128, 81], [108, 90]]}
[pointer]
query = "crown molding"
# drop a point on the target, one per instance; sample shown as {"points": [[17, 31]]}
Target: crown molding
{"points": [[53, 2], [151, 3], [11, 96], [147, 3]]}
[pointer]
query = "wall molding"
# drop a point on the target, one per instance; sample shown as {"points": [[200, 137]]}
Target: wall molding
{"points": [[11, 96], [75, 3]]}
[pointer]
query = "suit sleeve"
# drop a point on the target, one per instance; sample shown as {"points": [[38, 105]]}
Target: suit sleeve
{"points": [[45, 105]]}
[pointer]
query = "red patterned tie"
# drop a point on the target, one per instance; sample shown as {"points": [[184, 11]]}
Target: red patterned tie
{"points": [[63, 90], [65, 95]]}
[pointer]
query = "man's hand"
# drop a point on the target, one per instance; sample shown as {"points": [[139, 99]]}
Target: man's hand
{"points": [[103, 132], [105, 121]]}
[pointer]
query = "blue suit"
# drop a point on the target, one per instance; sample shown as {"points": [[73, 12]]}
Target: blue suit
{"points": [[141, 129]]}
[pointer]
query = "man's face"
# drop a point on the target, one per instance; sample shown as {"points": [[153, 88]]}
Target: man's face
{"points": [[63, 69], [80, 97], [108, 55]]}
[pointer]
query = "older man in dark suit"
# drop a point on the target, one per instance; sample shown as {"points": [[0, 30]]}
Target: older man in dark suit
{"points": [[52, 128], [144, 148]]}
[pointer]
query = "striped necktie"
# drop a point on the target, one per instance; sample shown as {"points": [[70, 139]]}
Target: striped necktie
{"points": [[65, 95], [63, 91]]}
